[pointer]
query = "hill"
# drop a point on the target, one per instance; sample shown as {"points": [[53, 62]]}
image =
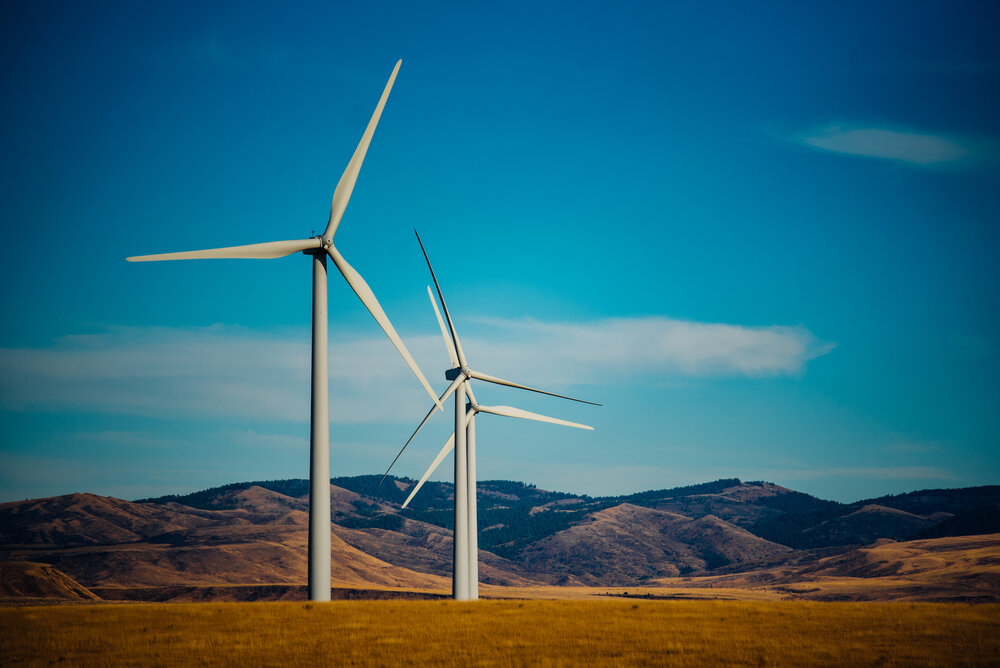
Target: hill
{"points": [[956, 568], [255, 534], [27, 579]]}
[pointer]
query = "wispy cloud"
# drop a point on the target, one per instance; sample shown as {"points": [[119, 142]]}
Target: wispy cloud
{"points": [[908, 447], [201, 373], [131, 439], [231, 372], [271, 441], [873, 142], [659, 346], [144, 440]]}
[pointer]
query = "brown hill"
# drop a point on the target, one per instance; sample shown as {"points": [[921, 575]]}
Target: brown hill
{"points": [[88, 519], [970, 557], [737, 504], [34, 580], [740, 504], [626, 544], [753, 493], [723, 544], [964, 568], [428, 548], [870, 523], [263, 503], [104, 542], [233, 558]]}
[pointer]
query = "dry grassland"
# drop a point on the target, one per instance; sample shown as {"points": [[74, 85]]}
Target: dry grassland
{"points": [[553, 633]]}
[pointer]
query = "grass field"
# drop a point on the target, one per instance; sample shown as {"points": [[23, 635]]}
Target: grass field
{"points": [[486, 633]]}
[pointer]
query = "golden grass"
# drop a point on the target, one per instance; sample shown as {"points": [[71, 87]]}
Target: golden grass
{"points": [[505, 633], [556, 593]]}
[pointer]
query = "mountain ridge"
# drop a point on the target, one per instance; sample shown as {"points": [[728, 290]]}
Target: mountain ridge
{"points": [[253, 534]]}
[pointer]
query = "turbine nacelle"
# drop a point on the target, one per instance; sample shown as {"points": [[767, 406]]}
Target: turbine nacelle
{"points": [[321, 246], [452, 374]]}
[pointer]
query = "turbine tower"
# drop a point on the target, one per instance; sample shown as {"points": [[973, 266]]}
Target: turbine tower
{"points": [[319, 248], [465, 579]]}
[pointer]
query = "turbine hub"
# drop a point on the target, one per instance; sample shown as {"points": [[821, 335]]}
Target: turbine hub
{"points": [[326, 241]]}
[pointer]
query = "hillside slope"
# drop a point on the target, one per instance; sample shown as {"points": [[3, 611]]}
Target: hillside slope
{"points": [[20, 579]]}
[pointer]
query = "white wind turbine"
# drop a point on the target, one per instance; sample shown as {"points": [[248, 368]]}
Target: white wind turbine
{"points": [[319, 247], [465, 579]]}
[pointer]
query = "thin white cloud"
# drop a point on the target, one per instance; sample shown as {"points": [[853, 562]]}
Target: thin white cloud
{"points": [[130, 439], [148, 440], [908, 447], [221, 372], [203, 373], [871, 142], [264, 440], [653, 346]]}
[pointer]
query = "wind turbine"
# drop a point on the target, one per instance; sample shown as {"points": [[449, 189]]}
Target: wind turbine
{"points": [[319, 247], [465, 579]]}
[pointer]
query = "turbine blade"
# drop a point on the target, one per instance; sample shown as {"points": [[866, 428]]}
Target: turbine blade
{"points": [[367, 298], [265, 251], [447, 393], [452, 355], [500, 381], [451, 324], [510, 411], [342, 193], [437, 461]]}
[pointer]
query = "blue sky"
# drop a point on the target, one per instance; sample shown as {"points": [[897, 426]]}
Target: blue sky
{"points": [[764, 237]]}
